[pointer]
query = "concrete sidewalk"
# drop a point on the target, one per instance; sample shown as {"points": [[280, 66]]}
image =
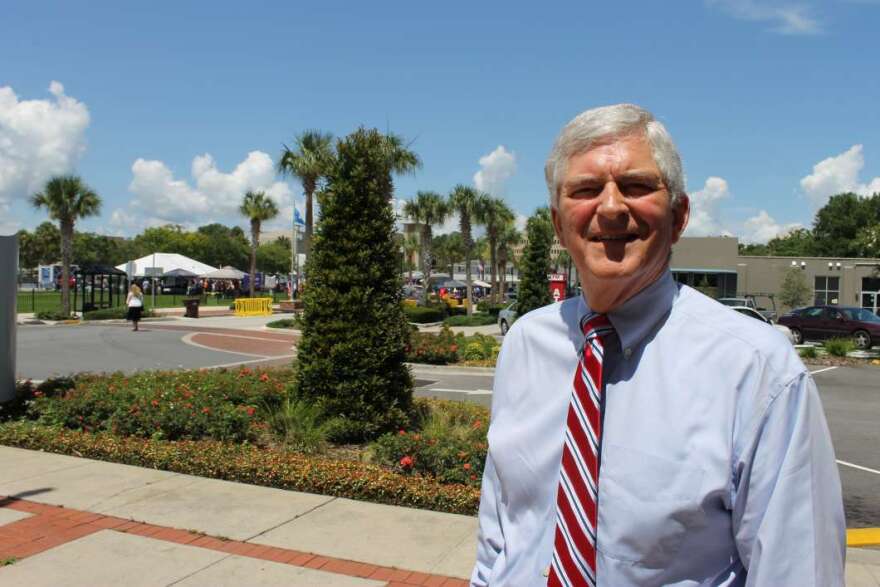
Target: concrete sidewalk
{"points": [[119, 524]]}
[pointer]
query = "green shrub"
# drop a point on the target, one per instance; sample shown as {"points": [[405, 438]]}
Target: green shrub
{"points": [[451, 445], [246, 463], [435, 349], [296, 425], [217, 404], [472, 320], [52, 315], [490, 308], [839, 347], [285, 323], [477, 347], [118, 313], [422, 314], [808, 353]]}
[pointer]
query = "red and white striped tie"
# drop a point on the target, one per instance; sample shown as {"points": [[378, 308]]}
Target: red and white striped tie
{"points": [[574, 547]]}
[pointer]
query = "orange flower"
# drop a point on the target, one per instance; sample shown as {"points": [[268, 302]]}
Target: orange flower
{"points": [[264, 377], [206, 410], [406, 462], [155, 403], [466, 466]]}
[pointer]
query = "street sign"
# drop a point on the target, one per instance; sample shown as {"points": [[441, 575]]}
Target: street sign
{"points": [[153, 271]]}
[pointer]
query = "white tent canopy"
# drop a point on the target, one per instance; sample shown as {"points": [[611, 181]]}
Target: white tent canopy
{"points": [[168, 262], [480, 283], [227, 272]]}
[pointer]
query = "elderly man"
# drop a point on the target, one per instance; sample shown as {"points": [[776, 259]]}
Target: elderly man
{"points": [[644, 434]]}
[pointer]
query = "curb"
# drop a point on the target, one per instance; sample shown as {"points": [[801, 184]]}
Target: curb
{"points": [[860, 537]]}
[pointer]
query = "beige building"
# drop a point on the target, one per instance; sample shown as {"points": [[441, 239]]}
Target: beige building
{"points": [[715, 262]]}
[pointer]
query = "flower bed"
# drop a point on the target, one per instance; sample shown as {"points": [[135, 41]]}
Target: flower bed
{"points": [[445, 348], [249, 464]]}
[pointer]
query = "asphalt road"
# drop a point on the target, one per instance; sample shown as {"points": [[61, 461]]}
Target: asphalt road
{"points": [[850, 397], [51, 351]]}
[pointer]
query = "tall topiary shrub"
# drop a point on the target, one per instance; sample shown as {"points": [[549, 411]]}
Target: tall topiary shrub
{"points": [[351, 356], [534, 288]]}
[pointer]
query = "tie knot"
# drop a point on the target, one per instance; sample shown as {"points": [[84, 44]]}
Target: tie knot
{"points": [[596, 325]]}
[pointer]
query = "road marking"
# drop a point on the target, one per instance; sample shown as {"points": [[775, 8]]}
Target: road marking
{"points": [[465, 391], [859, 467], [238, 363], [822, 370], [863, 537]]}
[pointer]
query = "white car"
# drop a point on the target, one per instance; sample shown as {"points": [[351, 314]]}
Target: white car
{"points": [[751, 312]]}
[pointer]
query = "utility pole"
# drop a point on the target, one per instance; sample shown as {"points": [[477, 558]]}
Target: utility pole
{"points": [[293, 263]]}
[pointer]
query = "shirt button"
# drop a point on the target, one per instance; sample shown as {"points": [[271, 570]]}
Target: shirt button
{"points": [[547, 572], [627, 353]]}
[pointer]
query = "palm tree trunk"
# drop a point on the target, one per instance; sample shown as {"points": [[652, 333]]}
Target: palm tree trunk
{"points": [[502, 270], [309, 188], [426, 260], [66, 255], [492, 262], [255, 236]]}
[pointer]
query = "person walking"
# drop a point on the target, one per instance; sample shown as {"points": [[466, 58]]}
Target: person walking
{"points": [[135, 303]]}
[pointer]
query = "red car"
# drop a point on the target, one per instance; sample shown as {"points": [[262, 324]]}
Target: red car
{"points": [[821, 322]]}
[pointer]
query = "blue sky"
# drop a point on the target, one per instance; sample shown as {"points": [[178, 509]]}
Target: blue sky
{"points": [[171, 110]]}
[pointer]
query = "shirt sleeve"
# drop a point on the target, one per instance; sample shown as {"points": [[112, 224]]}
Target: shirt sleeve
{"points": [[788, 518], [490, 540]]}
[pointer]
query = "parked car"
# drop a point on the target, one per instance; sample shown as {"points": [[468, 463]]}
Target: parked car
{"points": [[506, 317], [751, 301], [821, 322], [753, 313]]}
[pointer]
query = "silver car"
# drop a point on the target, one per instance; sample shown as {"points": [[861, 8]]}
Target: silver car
{"points": [[506, 317], [752, 313]]}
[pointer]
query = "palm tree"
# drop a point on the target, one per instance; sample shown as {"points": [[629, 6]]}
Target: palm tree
{"points": [[257, 207], [401, 159], [466, 201], [494, 214], [67, 198], [428, 209], [309, 162], [410, 246], [508, 238]]}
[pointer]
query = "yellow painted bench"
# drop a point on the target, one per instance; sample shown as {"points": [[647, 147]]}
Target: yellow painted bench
{"points": [[253, 306]]}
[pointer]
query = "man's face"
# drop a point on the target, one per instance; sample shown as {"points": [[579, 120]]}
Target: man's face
{"points": [[615, 219]]}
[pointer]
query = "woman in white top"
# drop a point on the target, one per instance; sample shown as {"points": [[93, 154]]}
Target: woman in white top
{"points": [[135, 303]]}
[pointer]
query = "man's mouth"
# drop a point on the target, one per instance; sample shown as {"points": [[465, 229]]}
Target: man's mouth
{"points": [[609, 238]]}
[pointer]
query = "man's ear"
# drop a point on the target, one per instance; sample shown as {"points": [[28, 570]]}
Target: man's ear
{"points": [[557, 225], [680, 215]]}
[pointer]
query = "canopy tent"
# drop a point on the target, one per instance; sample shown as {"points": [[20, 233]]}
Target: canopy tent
{"points": [[179, 273], [167, 262], [452, 283], [479, 283], [227, 272]]}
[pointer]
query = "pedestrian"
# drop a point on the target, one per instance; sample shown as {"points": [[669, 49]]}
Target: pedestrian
{"points": [[642, 433], [135, 303]]}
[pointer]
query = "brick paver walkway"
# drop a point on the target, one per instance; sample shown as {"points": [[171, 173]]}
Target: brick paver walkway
{"points": [[51, 526]]}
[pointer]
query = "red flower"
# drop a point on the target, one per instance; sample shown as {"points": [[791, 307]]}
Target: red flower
{"points": [[477, 424], [251, 410], [206, 410], [406, 462], [401, 432], [453, 348], [264, 377], [155, 403], [466, 466]]}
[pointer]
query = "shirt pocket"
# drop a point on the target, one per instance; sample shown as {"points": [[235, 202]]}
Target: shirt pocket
{"points": [[647, 504]]}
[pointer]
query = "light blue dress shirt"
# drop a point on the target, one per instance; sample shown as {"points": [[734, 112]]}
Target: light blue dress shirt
{"points": [[716, 463]]}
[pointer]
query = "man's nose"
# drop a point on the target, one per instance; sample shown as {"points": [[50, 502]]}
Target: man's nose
{"points": [[611, 202]]}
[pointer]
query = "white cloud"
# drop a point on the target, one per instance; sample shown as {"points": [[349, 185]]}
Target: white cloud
{"points": [[785, 18], [704, 208], [762, 227], [837, 174], [495, 169], [38, 139], [212, 196]]}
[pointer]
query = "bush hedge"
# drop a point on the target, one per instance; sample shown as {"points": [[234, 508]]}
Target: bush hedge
{"points": [[285, 323], [249, 464], [472, 320], [490, 308], [445, 348], [839, 347], [218, 404], [52, 315], [423, 314]]}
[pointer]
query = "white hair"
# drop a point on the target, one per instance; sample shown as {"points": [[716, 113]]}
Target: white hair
{"points": [[608, 123]]}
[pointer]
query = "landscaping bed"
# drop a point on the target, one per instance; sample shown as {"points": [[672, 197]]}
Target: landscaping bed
{"points": [[446, 348], [249, 425]]}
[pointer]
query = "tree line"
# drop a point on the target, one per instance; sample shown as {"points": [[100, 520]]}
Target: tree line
{"points": [[847, 226]]}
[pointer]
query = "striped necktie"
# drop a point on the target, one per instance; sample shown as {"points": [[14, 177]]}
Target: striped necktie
{"points": [[574, 545]]}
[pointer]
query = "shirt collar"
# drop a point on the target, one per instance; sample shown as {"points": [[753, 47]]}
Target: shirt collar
{"points": [[636, 318]]}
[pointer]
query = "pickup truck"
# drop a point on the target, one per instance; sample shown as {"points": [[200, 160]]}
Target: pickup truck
{"points": [[750, 301]]}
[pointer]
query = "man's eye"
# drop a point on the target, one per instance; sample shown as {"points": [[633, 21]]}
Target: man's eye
{"points": [[585, 192], [638, 189]]}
